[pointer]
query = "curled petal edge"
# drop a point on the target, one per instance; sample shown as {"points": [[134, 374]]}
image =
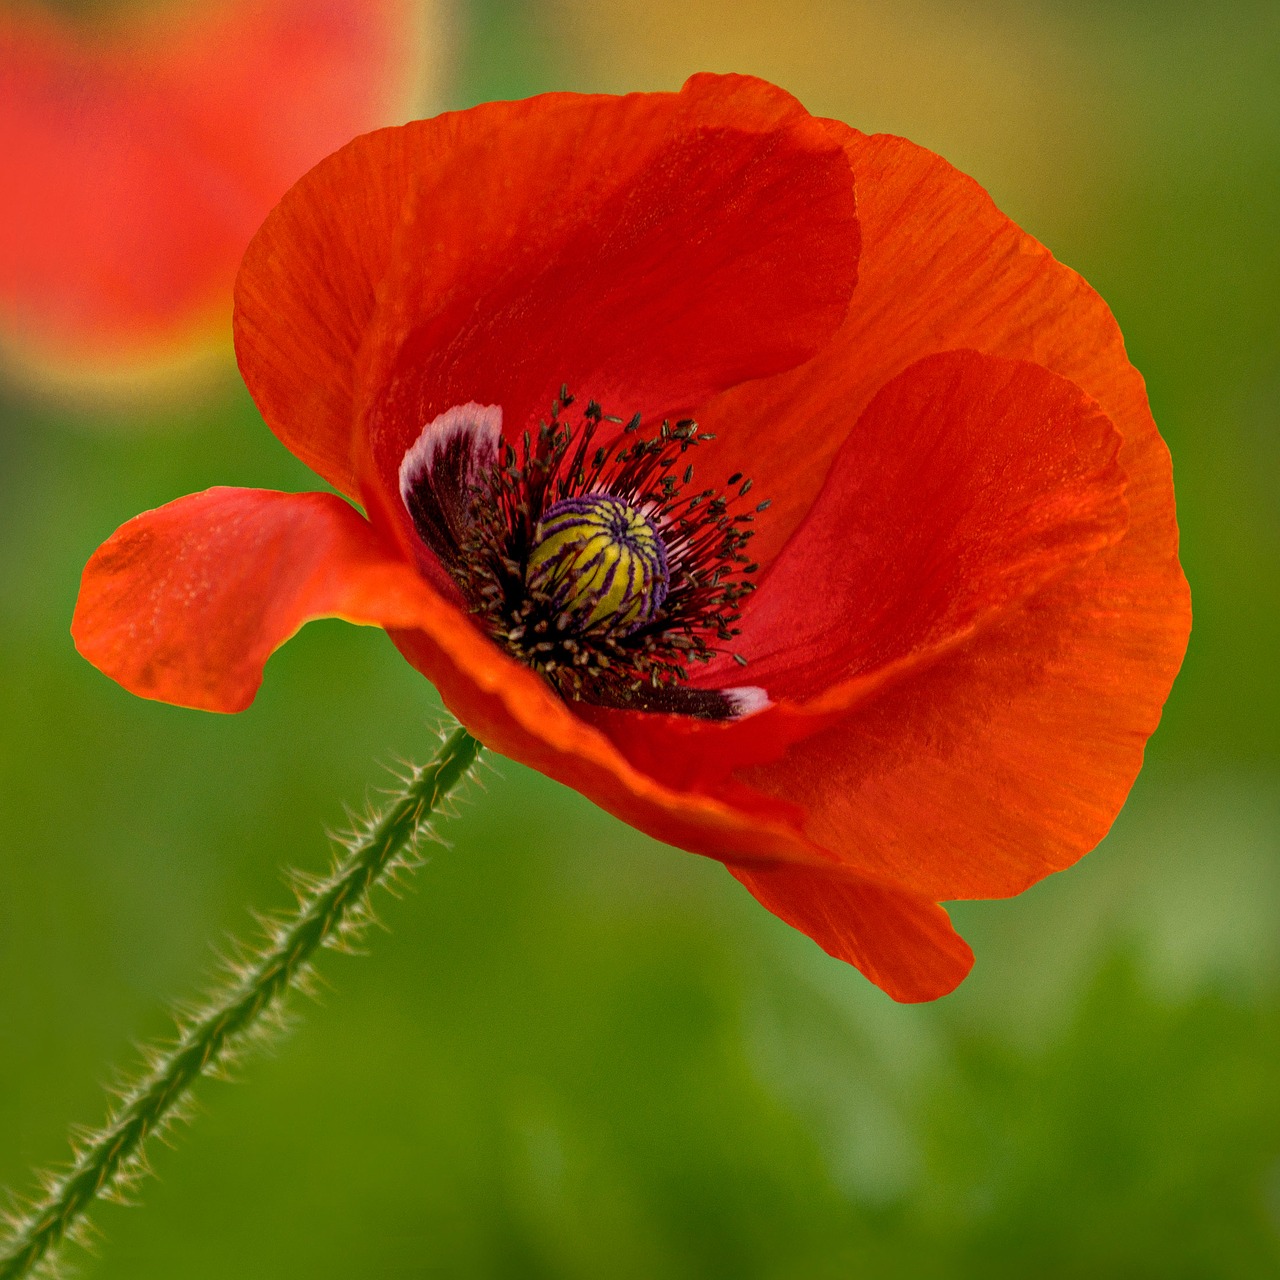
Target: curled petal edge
{"points": [[902, 942]]}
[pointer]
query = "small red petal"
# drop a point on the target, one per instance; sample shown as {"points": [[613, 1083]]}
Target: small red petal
{"points": [[187, 602], [905, 944], [1004, 760]]}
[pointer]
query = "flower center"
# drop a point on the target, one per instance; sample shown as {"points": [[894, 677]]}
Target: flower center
{"points": [[599, 562], [587, 553]]}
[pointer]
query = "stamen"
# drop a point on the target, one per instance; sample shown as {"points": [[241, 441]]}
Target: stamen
{"points": [[588, 556]]}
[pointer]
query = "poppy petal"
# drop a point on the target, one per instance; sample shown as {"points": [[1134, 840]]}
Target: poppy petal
{"points": [[1009, 756], [905, 944], [941, 268], [187, 602], [967, 484], [720, 221], [137, 161], [649, 250], [441, 471]]}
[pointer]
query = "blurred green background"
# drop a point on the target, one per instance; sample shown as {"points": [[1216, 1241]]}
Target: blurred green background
{"points": [[578, 1053]]}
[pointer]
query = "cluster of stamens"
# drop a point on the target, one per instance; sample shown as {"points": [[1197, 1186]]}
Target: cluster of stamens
{"points": [[598, 565]]}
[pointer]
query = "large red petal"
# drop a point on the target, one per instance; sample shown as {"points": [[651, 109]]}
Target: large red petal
{"points": [[137, 164], [648, 250], [905, 944], [1010, 755], [941, 268], [968, 483], [1009, 758]]}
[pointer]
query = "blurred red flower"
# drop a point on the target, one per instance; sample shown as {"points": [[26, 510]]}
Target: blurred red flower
{"points": [[138, 160], [932, 671]]}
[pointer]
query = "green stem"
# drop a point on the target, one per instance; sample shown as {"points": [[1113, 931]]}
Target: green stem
{"points": [[329, 911]]}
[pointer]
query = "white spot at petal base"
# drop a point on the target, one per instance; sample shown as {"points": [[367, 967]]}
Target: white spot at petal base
{"points": [[478, 425], [746, 700]]}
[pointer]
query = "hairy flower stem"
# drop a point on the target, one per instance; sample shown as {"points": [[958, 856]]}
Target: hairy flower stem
{"points": [[329, 911]]}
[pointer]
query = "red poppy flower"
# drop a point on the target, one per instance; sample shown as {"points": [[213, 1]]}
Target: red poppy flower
{"points": [[137, 162], [568, 354]]}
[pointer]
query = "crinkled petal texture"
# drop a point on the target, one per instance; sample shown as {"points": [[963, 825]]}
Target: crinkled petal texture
{"points": [[138, 162], [970, 607], [650, 251]]}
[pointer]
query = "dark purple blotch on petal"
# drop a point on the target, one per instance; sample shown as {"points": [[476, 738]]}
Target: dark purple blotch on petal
{"points": [[441, 471]]}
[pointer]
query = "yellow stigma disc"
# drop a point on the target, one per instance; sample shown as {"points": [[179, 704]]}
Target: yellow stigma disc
{"points": [[600, 563]]}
